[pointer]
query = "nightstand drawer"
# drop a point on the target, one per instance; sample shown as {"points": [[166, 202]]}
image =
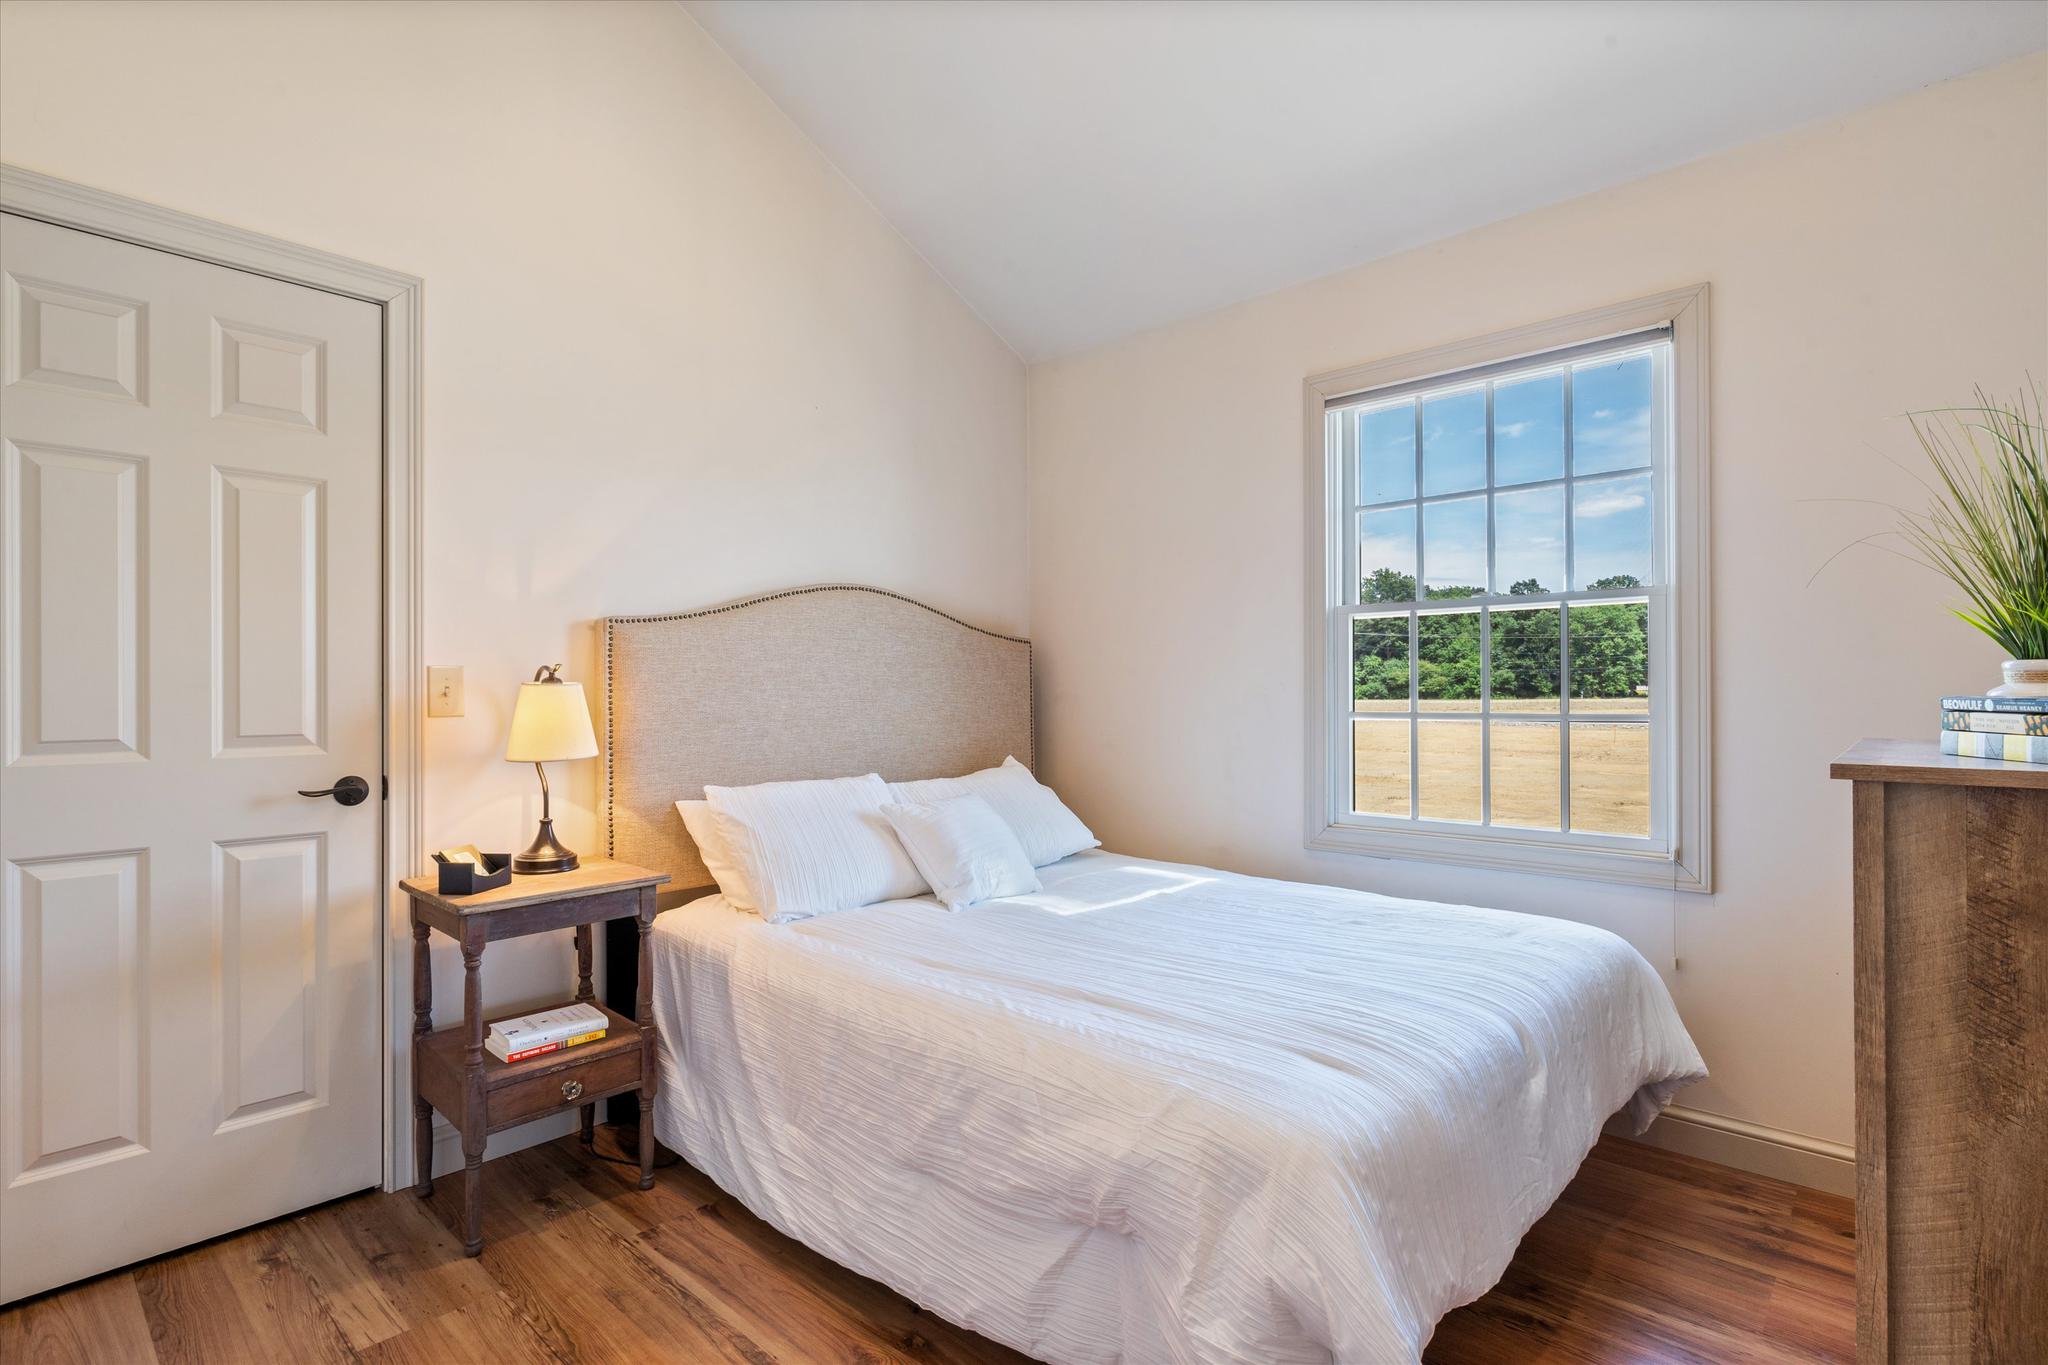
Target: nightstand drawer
{"points": [[574, 1082]]}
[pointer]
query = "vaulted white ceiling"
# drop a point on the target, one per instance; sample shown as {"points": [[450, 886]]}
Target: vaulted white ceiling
{"points": [[1080, 171]]}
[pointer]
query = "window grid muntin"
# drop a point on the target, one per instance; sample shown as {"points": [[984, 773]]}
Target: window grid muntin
{"points": [[1654, 597], [1486, 636]]}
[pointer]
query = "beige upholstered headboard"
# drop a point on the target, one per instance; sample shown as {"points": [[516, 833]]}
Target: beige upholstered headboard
{"points": [[828, 681]]}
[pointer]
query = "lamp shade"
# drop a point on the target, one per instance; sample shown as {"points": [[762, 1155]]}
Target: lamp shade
{"points": [[550, 722]]}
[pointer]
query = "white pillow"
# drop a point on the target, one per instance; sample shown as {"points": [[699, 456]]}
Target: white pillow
{"points": [[709, 835], [963, 848], [809, 848], [1042, 823]]}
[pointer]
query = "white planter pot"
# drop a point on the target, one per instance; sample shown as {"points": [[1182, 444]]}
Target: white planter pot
{"points": [[2023, 678]]}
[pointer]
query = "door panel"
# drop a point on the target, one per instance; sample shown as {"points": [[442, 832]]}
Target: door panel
{"points": [[190, 585], [271, 914], [74, 931], [75, 621], [267, 567], [76, 338]]}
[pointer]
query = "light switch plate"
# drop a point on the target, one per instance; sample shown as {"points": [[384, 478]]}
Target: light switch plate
{"points": [[444, 690]]}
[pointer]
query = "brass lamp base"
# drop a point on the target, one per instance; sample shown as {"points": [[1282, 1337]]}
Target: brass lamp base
{"points": [[544, 854]]}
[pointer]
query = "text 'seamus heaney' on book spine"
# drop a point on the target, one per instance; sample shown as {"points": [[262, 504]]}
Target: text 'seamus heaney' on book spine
{"points": [[535, 1035], [2010, 728]]}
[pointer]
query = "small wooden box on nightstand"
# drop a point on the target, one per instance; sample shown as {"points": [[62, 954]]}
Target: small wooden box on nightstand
{"points": [[475, 1091]]}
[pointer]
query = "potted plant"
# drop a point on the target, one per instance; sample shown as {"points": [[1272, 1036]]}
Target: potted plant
{"points": [[1986, 526]]}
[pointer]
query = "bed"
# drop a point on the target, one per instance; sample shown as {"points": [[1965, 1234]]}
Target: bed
{"points": [[1151, 1112]]}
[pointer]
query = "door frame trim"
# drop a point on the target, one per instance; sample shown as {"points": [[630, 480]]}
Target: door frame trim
{"points": [[32, 194]]}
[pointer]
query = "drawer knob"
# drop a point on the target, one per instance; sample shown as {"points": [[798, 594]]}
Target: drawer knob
{"points": [[572, 1090]]}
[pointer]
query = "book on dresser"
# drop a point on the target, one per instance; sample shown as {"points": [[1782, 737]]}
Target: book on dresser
{"points": [[2011, 705], [555, 1030], [2010, 748], [1997, 722], [2012, 729]]}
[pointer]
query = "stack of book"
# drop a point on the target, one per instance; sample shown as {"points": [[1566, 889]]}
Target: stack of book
{"points": [[536, 1035], [2014, 728]]}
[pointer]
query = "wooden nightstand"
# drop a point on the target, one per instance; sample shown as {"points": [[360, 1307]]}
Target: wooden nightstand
{"points": [[481, 1095]]}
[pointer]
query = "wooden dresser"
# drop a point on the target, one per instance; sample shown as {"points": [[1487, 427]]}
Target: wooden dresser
{"points": [[1951, 1055]]}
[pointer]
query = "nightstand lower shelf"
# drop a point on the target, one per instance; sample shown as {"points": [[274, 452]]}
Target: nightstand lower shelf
{"points": [[519, 1092]]}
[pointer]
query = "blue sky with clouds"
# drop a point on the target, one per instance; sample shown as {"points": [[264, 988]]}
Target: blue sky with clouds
{"points": [[1611, 432]]}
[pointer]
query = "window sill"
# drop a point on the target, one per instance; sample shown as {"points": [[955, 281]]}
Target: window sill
{"points": [[1498, 853]]}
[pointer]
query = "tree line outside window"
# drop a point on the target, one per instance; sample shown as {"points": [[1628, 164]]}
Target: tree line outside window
{"points": [[1610, 645]]}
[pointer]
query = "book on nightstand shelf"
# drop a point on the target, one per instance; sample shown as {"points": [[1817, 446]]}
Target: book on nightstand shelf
{"points": [[2012, 729], [535, 1035]]}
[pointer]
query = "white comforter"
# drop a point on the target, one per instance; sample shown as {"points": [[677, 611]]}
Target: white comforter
{"points": [[1159, 1113]]}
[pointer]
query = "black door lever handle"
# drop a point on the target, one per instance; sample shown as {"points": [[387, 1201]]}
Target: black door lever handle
{"points": [[350, 791]]}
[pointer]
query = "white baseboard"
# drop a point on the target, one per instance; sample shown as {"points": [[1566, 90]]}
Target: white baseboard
{"points": [[448, 1142], [1810, 1161]]}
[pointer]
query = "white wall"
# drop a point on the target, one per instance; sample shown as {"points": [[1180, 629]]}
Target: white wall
{"points": [[1860, 268], [671, 355]]}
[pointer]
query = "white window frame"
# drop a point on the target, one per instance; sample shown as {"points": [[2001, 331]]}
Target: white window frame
{"points": [[1678, 853]]}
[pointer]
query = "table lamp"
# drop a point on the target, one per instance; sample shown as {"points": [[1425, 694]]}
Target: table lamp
{"points": [[550, 723]]}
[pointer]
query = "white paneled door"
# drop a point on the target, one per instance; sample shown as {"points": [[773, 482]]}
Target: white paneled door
{"points": [[190, 1029]]}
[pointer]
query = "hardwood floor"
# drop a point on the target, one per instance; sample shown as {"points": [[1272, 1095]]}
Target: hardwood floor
{"points": [[1647, 1257]]}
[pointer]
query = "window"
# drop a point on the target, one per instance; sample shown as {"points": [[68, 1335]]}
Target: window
{"points": [[1510, 602]]}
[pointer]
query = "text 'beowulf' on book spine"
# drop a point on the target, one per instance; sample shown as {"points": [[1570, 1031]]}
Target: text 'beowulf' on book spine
{"points": [[2017, 704]]}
